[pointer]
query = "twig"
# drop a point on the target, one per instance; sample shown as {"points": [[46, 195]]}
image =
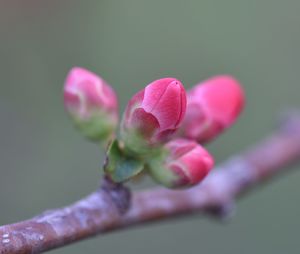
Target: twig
{"points": [[98, 213]]}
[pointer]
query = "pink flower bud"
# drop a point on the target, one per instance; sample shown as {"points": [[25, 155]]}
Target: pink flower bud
{"points": [[153, 114], [212, 106], [185, 163], [91, 103]]}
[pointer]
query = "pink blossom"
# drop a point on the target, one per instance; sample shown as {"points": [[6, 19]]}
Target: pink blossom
{"points": [[212, 106], [154, 113], [187, 163], [91, 102]]}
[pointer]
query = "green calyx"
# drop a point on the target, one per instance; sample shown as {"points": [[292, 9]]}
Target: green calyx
{"points": [[159, 172], [139, 146], [100, 126]]}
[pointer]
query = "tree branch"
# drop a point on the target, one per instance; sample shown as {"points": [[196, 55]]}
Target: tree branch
{"points": [[98, 212]]}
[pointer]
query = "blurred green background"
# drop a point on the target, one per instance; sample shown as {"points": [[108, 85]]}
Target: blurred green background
{"points": [[46, 164]]}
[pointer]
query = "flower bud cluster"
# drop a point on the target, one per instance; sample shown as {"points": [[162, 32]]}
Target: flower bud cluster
{"points": [[162, 128]]}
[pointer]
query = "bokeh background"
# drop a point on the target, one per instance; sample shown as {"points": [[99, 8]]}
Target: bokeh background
{"points": [[46, 164]]}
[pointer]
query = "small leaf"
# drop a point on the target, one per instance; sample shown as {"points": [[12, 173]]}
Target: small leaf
{"points": [[120, 166]]}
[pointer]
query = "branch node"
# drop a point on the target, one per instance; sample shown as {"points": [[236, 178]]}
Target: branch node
{"points": [[119, 194], [223, 212]]}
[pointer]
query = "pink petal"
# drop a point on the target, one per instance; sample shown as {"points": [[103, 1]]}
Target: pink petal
{"points": [[223, 97], [145, 122], [166, 101], [198, 163]]}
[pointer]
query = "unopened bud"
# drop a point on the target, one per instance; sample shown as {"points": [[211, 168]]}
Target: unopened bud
{"points": [[212, 106], [184, 163], [153, 115], [91, 103]]}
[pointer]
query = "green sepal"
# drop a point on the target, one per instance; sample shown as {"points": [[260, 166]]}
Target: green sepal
{"points": [[100, 126], [120, 166], [137, 145], [157, 170]]}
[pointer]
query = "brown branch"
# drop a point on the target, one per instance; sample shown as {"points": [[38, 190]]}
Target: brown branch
{"points": [[98, 213]]}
